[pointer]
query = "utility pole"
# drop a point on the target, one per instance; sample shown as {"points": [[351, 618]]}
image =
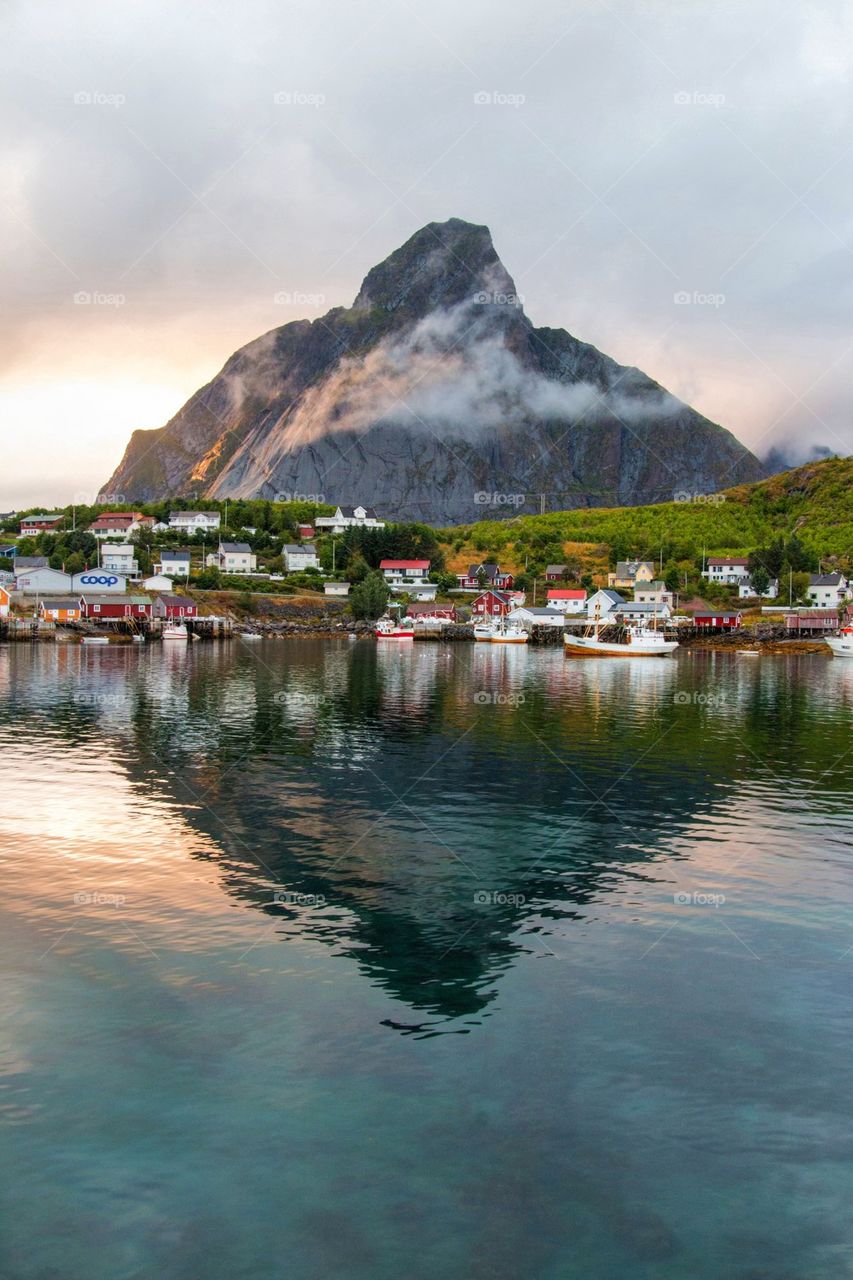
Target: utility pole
{"points": [[542, 504]]}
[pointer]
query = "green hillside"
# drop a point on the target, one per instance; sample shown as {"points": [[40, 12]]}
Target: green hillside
{"points": [[814, 501]]}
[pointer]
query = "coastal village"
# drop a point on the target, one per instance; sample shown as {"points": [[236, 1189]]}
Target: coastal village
{"points": [[120, 574]]}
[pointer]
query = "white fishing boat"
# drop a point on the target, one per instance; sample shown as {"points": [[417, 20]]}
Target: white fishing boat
{"points": [[484, 630], [392, 627], [95, 640], [634, 641], [508, 633], [175, 631], [842, 644]]}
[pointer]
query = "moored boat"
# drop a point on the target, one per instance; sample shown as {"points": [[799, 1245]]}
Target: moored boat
{"points": [[175, 631], [389, 628], [635, 641], [508, 633], [842, 644], [484, 630]]}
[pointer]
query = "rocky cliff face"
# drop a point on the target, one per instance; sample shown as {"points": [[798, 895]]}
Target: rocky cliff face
{"points": [[433, 397]]}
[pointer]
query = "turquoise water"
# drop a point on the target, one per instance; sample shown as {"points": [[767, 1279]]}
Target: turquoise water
{"points": [[323, 960]]}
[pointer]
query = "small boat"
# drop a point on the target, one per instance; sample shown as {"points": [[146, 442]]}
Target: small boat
{"points": [[96, 640], [484, 630], [842, 644], [175, 631], [509, 633], [637, 641], [388, 628], [250, 635]]}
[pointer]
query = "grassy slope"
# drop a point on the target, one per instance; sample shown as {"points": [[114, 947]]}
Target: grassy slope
{"points": [[815, 501]]}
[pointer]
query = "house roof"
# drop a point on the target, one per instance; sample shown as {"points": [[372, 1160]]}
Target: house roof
{"points": [[826, 579], [537, 610], [610, 593], [42, 515], [116, 598], [566, 593], [30, 562], [640, 606], [166, 554], [184, 515], [235, 548], [404, 564], [555, 568], [62, 602], [169, 597], [426, 608], [629, 568], [490, 569], [505, 596], [718, 561], [349, 512], [301, 548], [717, 613], [657, 585]]}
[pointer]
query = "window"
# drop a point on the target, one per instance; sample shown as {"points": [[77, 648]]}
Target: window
{"points": [[96, 608]]}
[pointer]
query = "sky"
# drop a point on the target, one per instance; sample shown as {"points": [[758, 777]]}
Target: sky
{"points": [[669, 181]]}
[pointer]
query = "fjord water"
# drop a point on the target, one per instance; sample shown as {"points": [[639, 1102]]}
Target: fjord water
{"points": [[325, 959]]}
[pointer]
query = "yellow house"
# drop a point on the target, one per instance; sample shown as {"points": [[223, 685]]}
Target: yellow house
{"points": [[64, 609], [4, 602], [631, 572]]}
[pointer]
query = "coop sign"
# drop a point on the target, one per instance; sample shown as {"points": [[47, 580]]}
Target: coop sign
{"points": [[98, 580]]}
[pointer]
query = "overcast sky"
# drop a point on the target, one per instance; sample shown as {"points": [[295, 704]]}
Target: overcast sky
{"points": [[187, 164]]}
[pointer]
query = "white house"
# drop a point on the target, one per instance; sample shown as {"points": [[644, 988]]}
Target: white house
{"points": [[730, 569], [828, 589], [648, 611], [120, 557], [653, 593], [746, 591], [194, 521], [157, 582], [536, 616], [603, 602], [403, 574], [237, 557], [42, 580], [173, 564], [300, 556], [349, 518], [566, 599], [336, 588]]}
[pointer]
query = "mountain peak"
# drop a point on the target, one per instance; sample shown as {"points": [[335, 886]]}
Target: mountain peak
{"points": [[442, 264]]}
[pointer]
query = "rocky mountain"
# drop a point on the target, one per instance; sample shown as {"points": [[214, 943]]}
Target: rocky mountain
{"points": [[433, 397]]}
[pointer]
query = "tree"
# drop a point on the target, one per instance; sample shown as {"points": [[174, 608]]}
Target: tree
{"points": [[209, 579], [672, 582], [369, 597], [760, 580]]}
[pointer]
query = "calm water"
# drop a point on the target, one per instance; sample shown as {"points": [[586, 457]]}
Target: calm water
{"points": [[324, 960]]}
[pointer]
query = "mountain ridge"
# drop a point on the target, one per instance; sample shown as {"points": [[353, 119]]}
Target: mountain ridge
{"points": [[432, 390]]}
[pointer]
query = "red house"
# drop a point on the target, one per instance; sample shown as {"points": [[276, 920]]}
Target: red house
{"points": [[172, 606], [116, 607], [305, 531], [119, 522], [491, 575], [555, 572], [34, 525], [492, 604], [717, 621]]}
